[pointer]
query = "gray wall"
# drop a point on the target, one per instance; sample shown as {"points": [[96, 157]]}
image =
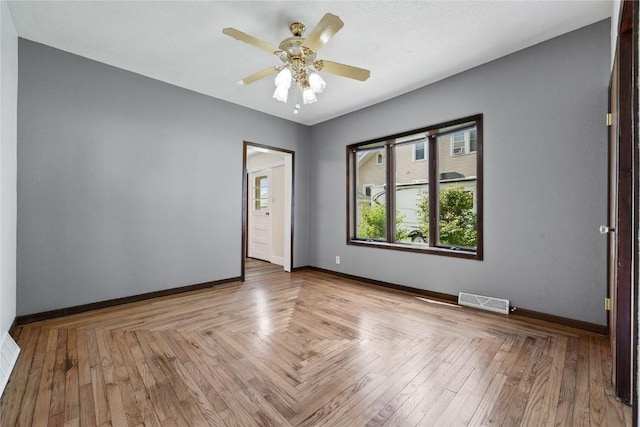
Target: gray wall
{"points": [[8, 163], [545, 178], [128, 185]]}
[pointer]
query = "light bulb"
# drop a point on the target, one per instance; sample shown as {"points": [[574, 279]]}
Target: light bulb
{"points": [[308, 97], [316, 83], [281, 93]]}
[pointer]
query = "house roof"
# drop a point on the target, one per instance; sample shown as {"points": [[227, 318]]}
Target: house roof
{"points": [[406, 45]]}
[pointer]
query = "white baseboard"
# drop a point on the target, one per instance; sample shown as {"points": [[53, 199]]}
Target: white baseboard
{"points": [[277, 260], [9, 351]]}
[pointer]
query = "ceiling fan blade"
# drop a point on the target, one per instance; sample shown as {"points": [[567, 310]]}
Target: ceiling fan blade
{"points": [[257, 76], [345, 70], [321, 33], [244, 37]]}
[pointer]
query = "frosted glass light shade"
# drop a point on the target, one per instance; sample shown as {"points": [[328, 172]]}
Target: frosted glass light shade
{"points": [[308, 97], [281, 93], [284, 78], [316, 83]]}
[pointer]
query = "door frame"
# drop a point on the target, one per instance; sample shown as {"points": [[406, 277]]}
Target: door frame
{"points": [[289, 165], [625, 299], [629, 18]]}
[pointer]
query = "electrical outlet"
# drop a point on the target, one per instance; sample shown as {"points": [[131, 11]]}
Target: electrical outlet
{"points": [[337, 259]]}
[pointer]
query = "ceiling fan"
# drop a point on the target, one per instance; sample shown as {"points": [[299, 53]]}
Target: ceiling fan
{"points": [[299, 63]]}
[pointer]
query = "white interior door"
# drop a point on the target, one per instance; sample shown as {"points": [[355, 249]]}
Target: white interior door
{"points": [[259, 217]]}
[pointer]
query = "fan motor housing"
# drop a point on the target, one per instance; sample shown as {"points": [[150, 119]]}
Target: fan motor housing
{"points": [[292, 46]]}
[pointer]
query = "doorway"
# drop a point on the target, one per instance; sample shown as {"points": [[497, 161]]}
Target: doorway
{"points": [[267, 228]]}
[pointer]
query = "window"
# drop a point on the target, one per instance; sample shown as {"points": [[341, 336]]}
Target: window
{"points": [[260, 191], [473, 140], [464, 142], [418, 151], [457, 143], [433, 205]]}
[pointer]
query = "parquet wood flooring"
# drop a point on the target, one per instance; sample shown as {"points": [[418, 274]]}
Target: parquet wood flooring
{"points": [[255, 267], [306, 349]]}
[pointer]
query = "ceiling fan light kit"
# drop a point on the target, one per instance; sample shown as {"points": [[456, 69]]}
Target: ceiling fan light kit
{"points": [[300, 67], [316, 83]]}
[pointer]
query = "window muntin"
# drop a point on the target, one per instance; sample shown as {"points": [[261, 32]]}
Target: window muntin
{"points": [[455, 227]]}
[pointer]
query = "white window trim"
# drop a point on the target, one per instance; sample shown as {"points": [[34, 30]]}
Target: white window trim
{"points": [[379, 156]]}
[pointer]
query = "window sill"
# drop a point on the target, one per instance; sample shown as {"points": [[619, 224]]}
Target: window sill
{"points": [[405, 247]]}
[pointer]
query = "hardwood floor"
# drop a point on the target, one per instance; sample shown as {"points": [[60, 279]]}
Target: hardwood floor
{"points": [[255, 267], [307, 349]]}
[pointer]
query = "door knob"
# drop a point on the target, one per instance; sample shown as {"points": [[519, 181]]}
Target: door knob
{"points": [[266, 213], [604, 229]]}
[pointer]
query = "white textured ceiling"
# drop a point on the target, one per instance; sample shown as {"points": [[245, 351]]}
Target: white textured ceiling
{"points": [[405, 44]]}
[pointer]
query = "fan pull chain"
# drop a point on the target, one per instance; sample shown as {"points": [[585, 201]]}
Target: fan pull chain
{"points": [[296, 110]]}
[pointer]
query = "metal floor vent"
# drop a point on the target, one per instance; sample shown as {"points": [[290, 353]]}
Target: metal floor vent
{"points": [[8, 355], [486, 303]]}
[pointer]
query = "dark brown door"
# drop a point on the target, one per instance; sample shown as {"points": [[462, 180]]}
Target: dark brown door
{"points": [[620, 228], [610, 228]]}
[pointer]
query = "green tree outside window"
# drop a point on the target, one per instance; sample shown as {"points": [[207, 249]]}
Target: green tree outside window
{"points": [[458, 223], [373, 223]]}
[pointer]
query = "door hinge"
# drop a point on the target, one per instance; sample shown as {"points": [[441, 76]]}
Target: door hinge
{"points": [[607, 304], [609, 119]]}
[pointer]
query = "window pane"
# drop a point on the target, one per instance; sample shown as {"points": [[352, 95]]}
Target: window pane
{"points": [[411, 190], [371, 207], [473, 140], [418, 149], [457, 218], [457, 143], [260, 192]]}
